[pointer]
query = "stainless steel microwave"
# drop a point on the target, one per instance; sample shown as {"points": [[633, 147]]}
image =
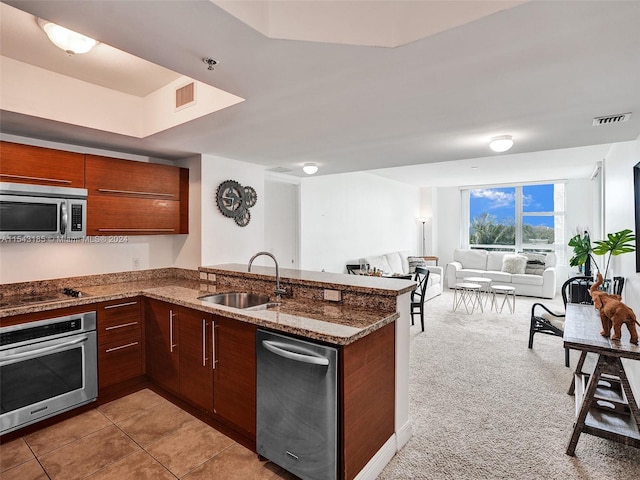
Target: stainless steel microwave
{"points": [[35, 212]]}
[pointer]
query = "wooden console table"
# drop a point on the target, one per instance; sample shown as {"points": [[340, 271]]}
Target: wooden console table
{"points": [[431, 258], [605, 405]]}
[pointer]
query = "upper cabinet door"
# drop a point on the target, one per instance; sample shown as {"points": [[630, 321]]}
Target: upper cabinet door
{"points": [[42, 166], [136, 198], [112, 176]]}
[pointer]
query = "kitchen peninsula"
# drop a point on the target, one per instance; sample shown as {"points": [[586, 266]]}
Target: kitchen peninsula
{"points": [[367, 319]]}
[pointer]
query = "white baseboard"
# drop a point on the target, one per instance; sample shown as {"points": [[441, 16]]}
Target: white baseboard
{"points": [[404, 434], [383, 456], [377, 463]]}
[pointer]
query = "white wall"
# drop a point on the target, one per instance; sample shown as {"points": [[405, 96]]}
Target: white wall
{"points": [[187, 249], [619, 203], [447, 217], [282, 219], [20, 262], [349, 216], [620, 214], [222, 240]]}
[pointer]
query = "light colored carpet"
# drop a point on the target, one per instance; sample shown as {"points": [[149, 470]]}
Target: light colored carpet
{"points": [[484, 406]]}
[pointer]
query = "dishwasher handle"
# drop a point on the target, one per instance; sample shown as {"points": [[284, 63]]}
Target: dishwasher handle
{"points": [[280, 349]]}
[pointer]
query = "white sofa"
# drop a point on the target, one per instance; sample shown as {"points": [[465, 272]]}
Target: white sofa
{"points": [[403, 263], [538, 279]]}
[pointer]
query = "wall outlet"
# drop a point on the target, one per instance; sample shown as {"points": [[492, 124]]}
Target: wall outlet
{"points": [[333, 295], [136, 263]]}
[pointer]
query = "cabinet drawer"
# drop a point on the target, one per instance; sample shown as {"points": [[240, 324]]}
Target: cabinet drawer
{"points": [[113, 177], [42, 166], [118, 331], [132, 216], [119, 361], [118, 320]]}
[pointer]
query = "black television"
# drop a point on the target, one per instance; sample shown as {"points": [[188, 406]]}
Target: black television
{"points": [[636, 190]]}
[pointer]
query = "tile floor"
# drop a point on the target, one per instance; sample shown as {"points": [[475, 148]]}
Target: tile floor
{"points": [[140, 436]]}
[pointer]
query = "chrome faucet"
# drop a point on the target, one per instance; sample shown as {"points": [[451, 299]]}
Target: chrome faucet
{"points": [[279, 291]]}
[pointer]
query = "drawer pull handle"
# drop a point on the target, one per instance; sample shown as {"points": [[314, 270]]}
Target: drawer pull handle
{"points": [[23, 177], [122, 325], [120, 305], [130, 192], [136, 229], [109, 350]]}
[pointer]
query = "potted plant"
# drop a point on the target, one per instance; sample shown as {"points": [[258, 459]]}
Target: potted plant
{"points": [[582, 252], [615, 244]]}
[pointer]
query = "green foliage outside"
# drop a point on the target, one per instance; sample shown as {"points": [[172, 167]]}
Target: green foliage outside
{"points": [[485, 230]]}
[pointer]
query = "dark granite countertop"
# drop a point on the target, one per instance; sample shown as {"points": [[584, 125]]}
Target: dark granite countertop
{"points": [[333, 323]]}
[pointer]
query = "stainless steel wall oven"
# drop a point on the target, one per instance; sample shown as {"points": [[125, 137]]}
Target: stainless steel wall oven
{"points": [[46, 367]]}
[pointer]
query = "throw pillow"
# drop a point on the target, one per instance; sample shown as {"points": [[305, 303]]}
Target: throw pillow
{"points": [[416, 262], [536, 263], [514, 263]]}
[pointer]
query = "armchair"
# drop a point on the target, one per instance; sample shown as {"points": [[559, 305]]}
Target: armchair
{"points": [[544, 320]]}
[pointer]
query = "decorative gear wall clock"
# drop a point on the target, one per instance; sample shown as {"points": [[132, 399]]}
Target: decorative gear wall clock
{"points": [[234, 201]]}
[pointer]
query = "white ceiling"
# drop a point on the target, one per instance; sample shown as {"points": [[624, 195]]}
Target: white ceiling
{"points": [[539, 71], [24, 40]]}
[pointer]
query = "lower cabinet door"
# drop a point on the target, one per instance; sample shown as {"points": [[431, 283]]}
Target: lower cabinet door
{"points": [[234, 393], [196, 370], [119, 361], [162, 344]]}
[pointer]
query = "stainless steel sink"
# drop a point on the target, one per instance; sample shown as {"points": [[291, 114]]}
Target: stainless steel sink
{"points": [[265, 306], [237, 299]]}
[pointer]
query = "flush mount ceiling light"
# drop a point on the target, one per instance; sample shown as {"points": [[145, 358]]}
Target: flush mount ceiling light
{"points": [[501, 143], [68, 40], [310, 168]]}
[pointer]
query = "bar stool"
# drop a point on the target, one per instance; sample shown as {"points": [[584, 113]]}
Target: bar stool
{"points": [[509, 297], [468, 294]]}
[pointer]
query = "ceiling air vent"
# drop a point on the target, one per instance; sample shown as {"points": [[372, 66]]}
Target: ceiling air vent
{"points": [[618, 118], [279, 170], [186, 95]]}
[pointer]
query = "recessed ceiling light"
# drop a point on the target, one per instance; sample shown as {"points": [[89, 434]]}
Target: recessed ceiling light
{"points": [[68, 40], [501, 143], [310, 168]]}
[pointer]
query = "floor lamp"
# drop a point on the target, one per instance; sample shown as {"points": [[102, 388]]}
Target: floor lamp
{"points": [[422, 220]]}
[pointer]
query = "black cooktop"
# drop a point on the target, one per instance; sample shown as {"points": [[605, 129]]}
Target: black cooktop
{"points": [[34, 298]]}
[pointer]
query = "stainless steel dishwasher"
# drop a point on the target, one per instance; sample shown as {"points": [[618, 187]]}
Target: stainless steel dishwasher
{"points": [[297, 412]]}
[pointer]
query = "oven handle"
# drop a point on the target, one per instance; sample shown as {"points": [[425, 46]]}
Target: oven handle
{"points": [[35, 353]]}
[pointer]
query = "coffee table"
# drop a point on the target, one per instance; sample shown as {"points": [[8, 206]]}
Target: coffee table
{"points": [[485, 287], [508, 297], [467, 293]]}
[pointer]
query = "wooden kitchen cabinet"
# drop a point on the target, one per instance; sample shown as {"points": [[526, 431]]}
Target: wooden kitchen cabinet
{"points": [[234, 391], [196, 356], [212, 364], [367, 401], [42, 166], [179, 353], [120, 346], [135, 198], [161, 344]]}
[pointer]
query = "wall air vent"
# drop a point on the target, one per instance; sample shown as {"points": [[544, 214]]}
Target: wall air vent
{"points": [[618, 118], [186, 95]]}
